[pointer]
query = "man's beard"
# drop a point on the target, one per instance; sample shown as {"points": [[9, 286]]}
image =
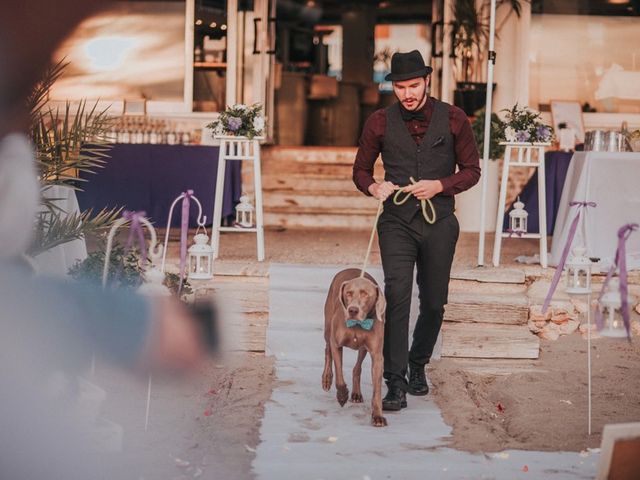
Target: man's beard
{"points": [[418, 103]]}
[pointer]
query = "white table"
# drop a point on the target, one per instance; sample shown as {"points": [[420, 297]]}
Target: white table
{"points": [[612, 181], [58, 260]]}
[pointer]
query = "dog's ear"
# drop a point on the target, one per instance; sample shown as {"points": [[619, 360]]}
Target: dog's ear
{"points": [[341, 295], [381, 305]]}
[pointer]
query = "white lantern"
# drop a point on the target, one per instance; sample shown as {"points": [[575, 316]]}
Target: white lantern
{"points": [[200, 258], [244, 213], [610, 306], [518, 217], [578, 272]]}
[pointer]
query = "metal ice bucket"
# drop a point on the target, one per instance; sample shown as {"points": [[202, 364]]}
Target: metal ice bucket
{"points": [[615, 142], [594, 141]]}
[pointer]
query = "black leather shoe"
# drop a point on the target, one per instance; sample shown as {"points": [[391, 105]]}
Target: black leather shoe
{"points": [[394, 400], [418, 381]]}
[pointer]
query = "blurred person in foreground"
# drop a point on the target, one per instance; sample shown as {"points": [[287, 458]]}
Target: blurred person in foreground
{"points": [[47, 325]]}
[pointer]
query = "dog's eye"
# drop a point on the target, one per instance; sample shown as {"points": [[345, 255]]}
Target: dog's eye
{"points": [[364, 293]]}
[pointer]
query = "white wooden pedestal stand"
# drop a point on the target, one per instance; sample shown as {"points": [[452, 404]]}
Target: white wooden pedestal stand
{"points": [[238, 148], [522, 155]]}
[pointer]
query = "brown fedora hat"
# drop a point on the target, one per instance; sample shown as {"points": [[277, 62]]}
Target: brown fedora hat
{"points": [[405, 66]]}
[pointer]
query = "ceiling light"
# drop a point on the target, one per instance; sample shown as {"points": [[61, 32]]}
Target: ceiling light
{"points": [[199, 21], [213, 24], [223, 27]]}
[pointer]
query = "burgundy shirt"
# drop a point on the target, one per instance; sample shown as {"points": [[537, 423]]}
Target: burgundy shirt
{"points": [[466, 150]]}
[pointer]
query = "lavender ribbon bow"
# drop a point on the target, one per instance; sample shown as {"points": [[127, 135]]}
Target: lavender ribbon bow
{"points": [[621, 263], [184, 229], [565, 252], [135, 230]]}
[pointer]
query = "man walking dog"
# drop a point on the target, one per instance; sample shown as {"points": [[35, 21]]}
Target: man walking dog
{"points": [[421, 141]]}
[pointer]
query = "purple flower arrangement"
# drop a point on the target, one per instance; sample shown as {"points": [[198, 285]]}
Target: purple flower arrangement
{"points": [[525, 126], [239, 120]]}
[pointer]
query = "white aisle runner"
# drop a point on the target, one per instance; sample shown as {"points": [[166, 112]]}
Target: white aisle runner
{"points": [[306, 435]]}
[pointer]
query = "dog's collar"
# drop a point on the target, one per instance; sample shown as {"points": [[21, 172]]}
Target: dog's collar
{"points": [[366, 324]]}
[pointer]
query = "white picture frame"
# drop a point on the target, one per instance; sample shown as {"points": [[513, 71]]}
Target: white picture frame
{"points": [[618, 452], [570, 113]]}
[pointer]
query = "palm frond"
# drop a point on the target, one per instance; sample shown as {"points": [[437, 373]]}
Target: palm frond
{"points": [[59, 228], [69, 143], [39, 96]]}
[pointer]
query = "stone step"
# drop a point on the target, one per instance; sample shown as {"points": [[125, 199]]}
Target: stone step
{"points": [[483, 307], [281, 169], [313, 155], [468, 286], [294, 217], [311, 183], [488, 341], [327, 201]]}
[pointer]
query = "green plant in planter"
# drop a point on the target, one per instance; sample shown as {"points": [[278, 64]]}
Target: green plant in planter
{"points": [[497, 127], [124, 270], [67, 141]]}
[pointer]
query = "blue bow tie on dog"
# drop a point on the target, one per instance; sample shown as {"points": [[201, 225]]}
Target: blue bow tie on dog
{"points": [[367, 323]]}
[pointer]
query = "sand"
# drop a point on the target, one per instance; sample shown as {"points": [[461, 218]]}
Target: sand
{"points": [[546, 409]]}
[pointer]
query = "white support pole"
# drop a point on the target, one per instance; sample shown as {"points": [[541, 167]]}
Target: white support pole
{"points": [[487, 132], [589, 360]]}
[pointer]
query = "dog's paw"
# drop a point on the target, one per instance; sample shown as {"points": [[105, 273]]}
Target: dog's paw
{"points": [[327, 380], [342, 394], [356, 397], [378, 421]]}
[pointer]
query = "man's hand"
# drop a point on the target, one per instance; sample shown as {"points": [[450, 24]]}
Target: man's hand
{"points": [[382, 190], [424, 189]]}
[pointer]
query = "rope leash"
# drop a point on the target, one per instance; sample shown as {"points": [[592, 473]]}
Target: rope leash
{"points": [[423, 203], [373, 231]]}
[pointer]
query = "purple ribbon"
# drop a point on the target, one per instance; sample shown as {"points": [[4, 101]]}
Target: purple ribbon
{"points": [[135, 230], [565, 252], [184, 229], [621, 263]]}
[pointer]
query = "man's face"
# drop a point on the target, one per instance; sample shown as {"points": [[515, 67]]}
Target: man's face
{"points": [[411, 92]]}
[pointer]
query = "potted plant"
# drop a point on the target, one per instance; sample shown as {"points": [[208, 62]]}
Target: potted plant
{"points": [[470, 44], [67, 142]]}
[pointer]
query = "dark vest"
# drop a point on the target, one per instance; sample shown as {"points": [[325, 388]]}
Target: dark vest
{"points": [[432, 159]]}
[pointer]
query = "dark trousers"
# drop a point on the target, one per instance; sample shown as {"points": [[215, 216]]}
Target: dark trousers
{"points": [[430, 249]]}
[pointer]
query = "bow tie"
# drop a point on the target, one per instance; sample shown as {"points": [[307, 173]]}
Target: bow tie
{"points": [[367, 323], [408, 115]]}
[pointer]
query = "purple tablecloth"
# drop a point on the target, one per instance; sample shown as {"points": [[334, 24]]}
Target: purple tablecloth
{"points": [[556, 165], [150, 177]]}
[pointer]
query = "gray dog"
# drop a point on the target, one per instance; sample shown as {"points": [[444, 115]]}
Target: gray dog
{"points": [[354, 317]]}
